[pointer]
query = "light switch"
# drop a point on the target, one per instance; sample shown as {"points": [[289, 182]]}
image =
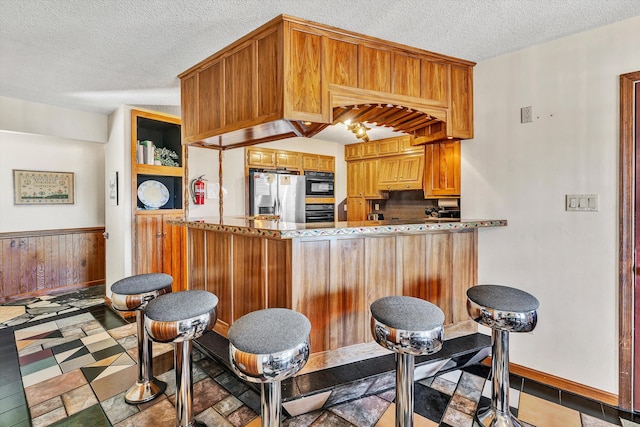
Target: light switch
{"points": [[581, 202]]}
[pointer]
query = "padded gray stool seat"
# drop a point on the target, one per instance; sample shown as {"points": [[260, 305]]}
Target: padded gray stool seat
{"points": [[181, 317], [503, 309], [267, 346], [133, 293], [409, 327]]}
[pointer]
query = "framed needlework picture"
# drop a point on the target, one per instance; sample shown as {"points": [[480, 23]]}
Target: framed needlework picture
{"points": [[42, 188]]}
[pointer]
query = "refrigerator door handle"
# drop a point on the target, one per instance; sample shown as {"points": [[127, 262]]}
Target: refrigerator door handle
{"points": [[276, 206]]}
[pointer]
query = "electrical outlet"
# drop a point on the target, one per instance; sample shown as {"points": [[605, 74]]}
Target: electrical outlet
{"points": [[526, 114], [581, 202]]}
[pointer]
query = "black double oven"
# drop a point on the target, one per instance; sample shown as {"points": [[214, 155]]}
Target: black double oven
{"points": [[319, 185]]}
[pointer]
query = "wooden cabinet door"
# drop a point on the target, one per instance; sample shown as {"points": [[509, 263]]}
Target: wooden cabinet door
{"points": [[405, 76], [410, 169], [461, 107], [370, 149], [442, 170], [174, 252], [405, 146], [370, 179], [388, 146], [355, 179], [326, 163], [388, 173], [148, 244], [356, 210], [375, 69], [257, 157], [353, 151], [310, 162], [289, 160]]}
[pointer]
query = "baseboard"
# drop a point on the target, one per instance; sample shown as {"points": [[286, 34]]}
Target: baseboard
{"points": [[562, 384]]}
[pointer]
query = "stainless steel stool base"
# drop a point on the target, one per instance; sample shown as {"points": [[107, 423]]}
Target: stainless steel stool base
{"points": [[490, 417], [142, 392], [194, 424]]}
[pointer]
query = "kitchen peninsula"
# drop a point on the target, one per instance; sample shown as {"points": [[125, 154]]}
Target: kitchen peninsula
{"points": [[331, 272]]}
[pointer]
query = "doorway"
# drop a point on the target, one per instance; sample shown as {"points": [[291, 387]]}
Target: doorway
{"points": [[629, 275]]}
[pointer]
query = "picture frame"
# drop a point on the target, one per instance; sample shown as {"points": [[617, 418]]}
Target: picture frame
{"points": [[113, 188], [32, 187]]}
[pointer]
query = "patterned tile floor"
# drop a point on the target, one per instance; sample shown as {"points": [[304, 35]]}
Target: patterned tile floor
{"points": [[67, 361]]}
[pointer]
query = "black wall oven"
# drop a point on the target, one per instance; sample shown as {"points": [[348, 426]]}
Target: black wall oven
{"points": [[319, 184], [319, 212]]}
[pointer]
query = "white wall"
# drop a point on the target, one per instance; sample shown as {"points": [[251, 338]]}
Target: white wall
{"points": [[204, 161], [20, 150], [521, 172], [233, 179]]}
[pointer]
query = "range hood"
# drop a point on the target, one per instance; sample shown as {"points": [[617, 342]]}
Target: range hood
{"points": [[293, 77]]}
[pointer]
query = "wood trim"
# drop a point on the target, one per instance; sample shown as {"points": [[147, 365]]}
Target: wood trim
{"points": [[38, 233], [561, 383], [626, 239]]}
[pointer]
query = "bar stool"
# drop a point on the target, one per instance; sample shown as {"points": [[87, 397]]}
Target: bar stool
{"points": [[409, 327], [504, 310], [133, 293], [180, 318], [267, 346]]}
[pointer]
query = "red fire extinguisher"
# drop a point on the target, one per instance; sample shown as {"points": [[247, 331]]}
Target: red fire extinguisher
{"points": [[197, 190]]}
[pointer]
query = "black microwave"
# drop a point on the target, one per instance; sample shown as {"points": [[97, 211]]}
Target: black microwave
{"points": [[319, 184]]}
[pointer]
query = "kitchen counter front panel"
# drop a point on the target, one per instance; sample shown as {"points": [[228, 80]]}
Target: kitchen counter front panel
{"points": [[333, 274], [288, 230]]}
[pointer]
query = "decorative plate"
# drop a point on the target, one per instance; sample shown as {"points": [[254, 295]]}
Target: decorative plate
{"points": [[153, 194]]}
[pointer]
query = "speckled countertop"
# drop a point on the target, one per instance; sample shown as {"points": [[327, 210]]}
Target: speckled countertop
{"points": [[290, 230]]}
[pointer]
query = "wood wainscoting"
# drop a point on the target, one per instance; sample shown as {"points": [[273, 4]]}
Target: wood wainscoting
{"points": [[40, 262]]}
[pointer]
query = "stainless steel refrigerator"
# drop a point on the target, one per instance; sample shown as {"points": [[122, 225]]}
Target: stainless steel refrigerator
{"points": [[277, 194]]}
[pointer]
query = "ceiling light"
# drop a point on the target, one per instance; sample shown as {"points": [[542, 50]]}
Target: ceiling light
{"points": [[358, 129]]}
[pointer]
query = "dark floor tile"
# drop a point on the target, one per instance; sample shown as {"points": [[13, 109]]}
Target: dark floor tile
{"points": [[14, 416], [11, 388], [581, 404], [613, 415], [66, 346], [430, 403], [231, 383], [12, 402], [110, 351], [251, 399], [93, 416], [479, 370], [516, 382], [542, 391]]}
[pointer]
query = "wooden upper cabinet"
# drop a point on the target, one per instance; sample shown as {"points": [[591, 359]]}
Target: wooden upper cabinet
{"points": [[288, 160], [401, 172], [259, 157], [388, 146], [370, 149], [355, 179], [352, 151], [326, 163], [461, 104], [310, 162], [302, 92], [435, 81], [442, 170], [298, 71], [375, 69], [240, 97], [405, 77], [370, 177]]}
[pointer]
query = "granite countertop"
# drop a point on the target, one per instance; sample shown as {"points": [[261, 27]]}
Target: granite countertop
{"points": [[289, 230]]}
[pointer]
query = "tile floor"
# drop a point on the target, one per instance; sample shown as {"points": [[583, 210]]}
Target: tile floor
{"points": [[67, 361]]}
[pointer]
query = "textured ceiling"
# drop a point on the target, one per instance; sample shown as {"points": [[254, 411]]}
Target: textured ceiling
{"points": [[95, 55]]}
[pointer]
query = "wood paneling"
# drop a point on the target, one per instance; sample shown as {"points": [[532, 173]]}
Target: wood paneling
{"points": [[209, 96], [439, 272], [278, 273], [435, 81], [219, 273], [405, 78], [270, 60], [375, 69], [313, 298], [304, 83], [380, 266], [239, 84], [464, 273], [36, 262], [461, 105], [347, 308], [197, 263], [188, 92], [248, 275]]}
